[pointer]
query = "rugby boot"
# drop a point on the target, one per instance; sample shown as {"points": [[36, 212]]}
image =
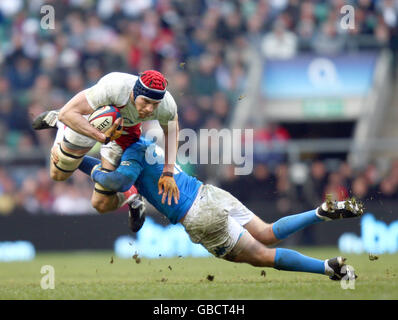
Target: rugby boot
{"points": [[46, 120], [336, 269], [333, 210], [136, 213]]}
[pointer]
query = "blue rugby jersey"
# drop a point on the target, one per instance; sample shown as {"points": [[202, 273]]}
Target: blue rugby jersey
{"points": [[135, 169]]}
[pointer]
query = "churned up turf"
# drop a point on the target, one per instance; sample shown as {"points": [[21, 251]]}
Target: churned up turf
{"points": [[101, 275]]}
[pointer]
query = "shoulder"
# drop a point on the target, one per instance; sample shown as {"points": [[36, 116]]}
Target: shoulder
{"points": [[167, 109], [118, 79], [117, 87]]}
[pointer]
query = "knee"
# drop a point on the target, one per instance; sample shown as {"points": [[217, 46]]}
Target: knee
{"points": [[251, 251], [57, 175], [101, 205], [261, 231], [261, 257]]}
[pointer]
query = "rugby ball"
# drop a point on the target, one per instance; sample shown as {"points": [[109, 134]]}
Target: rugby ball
{"points": [[104, 117]]}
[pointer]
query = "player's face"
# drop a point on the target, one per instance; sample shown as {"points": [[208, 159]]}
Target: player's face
{"points": [[145, 107]]}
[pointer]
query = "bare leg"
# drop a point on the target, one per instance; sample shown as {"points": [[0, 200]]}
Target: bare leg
{"points": [[261, 231], [251, 251]]}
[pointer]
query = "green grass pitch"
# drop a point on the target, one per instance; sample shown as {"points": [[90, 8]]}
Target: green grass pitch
{"points": [[101, 275]]}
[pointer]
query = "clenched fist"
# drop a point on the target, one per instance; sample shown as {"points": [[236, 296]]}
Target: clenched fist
{"points": [[168, 187]]}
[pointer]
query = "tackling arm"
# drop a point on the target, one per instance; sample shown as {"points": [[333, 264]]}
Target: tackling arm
{"points": [[119, 180], [171, 144], [167, 185]]}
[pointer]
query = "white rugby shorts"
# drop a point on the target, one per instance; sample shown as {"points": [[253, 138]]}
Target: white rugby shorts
{"points": [[216, 220], [111, 151]]}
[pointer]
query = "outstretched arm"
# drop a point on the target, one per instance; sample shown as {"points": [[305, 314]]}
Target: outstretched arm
{"points": [[112, 180], [171, 144], [119, 180], [167, 185]]}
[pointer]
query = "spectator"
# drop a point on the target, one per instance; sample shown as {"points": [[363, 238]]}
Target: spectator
{"points": [[269, 143], [203, 79], [190, 118], [372, 176], [234, 184], [388, 189], [280, 43], [346, 173], [389, 12], [313, 189], [27, 196], [335, 187], [263, 182], [70, 202], [327, 40], [360, 189], [7, 193], [286, 196], [22, 73], [254, 26], [204, 51]]}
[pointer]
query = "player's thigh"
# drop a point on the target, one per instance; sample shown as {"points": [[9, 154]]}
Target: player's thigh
{"points": [[260, 230], [65, 160], [249, 250]]}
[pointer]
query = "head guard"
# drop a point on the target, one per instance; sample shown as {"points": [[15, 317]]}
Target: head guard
{"points": [[150, 84]]}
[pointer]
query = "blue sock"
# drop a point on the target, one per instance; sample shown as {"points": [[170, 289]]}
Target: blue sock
{"points": [[290, 260], [88, 164], [285, 226]]}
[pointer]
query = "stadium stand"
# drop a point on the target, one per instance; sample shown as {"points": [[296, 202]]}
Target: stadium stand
{"points": [[206, 50]]}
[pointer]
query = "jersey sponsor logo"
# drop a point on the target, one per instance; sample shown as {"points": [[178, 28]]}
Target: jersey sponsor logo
{"points": [[124, 163]]}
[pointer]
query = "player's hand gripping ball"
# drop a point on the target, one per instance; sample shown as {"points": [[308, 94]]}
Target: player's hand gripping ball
{"points": [[107, 120], [115, 131]]}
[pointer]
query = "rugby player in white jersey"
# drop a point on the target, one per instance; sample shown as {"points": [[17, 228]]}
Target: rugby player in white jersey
{"points": [[139, 98]]}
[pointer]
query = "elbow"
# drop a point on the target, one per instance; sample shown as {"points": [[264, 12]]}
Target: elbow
{"points": [[62, 116]]}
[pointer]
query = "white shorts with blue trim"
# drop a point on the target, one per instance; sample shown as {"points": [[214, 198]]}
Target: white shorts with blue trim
{"points": [[216, 220]]}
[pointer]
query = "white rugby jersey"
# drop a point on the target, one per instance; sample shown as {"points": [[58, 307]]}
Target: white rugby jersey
{"points": [[115, 89]]}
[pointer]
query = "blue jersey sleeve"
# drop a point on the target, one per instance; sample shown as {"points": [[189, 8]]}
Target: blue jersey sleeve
{"points": [[121, 179], [131, 165]]}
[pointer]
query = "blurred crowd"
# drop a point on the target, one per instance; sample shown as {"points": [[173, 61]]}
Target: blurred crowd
{"points": [[323, 27], [203, 48], [291, 187], [304, 186]]}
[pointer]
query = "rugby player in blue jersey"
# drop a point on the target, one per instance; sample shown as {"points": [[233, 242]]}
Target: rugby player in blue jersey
{"points": [[216, 219]]}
